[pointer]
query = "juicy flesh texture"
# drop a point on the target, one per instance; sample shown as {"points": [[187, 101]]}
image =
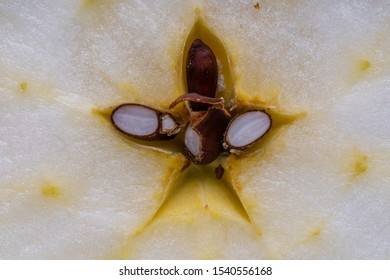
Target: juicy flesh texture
{"points": [[318, 189]]}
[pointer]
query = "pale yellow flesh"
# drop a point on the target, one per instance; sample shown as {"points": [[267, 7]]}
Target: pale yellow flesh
{"points": [[73, 187]]}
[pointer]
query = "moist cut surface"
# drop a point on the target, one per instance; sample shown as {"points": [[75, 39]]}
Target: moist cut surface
{"points": [[316, 186]]}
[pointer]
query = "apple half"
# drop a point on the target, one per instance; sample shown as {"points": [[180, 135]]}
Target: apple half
{"points": [[73, 187]]}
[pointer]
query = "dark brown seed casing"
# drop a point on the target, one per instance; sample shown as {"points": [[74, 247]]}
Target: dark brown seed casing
{"points": [[202, 72], [210, 126]]}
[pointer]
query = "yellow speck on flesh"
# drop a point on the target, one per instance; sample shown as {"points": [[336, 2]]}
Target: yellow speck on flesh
{"points": [[23, 86], [257, 6], [363, 66], [91, 3], [51, 191], [360, 164], [315, 232], [361, 69]]}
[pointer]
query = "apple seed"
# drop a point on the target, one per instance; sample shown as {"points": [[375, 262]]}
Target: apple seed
{"points": [[202, 72], [142, 122], [245, 129]]}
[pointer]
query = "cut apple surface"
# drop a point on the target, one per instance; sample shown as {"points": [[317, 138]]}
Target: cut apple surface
{"points": [[316, 186]]}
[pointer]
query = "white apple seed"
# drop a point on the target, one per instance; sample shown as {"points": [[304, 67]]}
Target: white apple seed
{"points": [[144, 123], [246, 129]]}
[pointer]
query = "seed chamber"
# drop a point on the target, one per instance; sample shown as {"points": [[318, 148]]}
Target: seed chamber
{"points": [[217, 191]]}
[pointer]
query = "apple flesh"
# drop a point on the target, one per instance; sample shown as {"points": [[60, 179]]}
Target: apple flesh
{"points": [[72, 187]]}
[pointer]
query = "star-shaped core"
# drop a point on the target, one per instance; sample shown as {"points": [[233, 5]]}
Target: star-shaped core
{"points": [[208, 128]]}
